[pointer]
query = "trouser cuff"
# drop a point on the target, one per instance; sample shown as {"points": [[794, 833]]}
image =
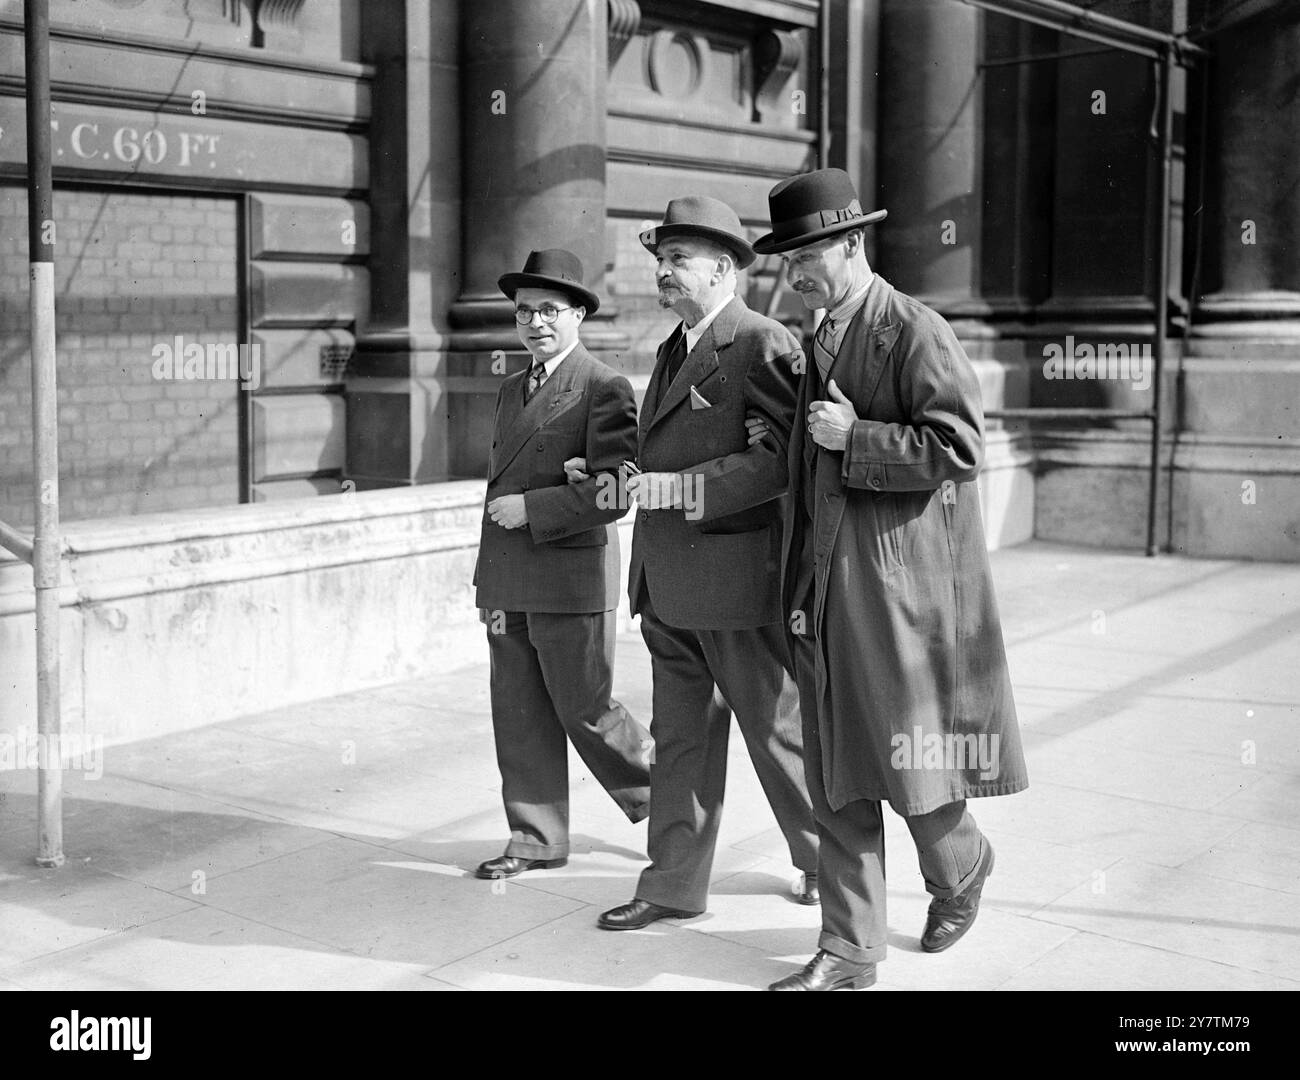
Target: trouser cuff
{"points": [[698, 904], [526, 849], [847, 951]]}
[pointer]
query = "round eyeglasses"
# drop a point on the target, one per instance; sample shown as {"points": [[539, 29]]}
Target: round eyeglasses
{"points": [[549, 313]]}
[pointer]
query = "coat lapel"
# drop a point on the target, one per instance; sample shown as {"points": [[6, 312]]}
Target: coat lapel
{"points": [[702, 363], [650, 403], [865, 348], [520, 421]]}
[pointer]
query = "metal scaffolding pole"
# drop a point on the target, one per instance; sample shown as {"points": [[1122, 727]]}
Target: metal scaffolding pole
{"points": [[1161, 286], [46, 542]]}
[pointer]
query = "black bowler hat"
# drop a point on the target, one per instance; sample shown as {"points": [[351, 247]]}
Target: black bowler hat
{"points": [[700, 215], [553, 268], [811, 207]]}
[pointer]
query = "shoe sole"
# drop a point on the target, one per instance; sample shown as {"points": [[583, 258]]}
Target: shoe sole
{"points": [[497, 875], [657, 918], [857, 982], [950, 942]]}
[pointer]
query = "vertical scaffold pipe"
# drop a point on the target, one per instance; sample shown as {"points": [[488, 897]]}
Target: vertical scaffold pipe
{"points": [[46, 559]]}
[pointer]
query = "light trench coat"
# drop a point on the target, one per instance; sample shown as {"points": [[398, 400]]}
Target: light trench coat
{"points": [[884, 562]]}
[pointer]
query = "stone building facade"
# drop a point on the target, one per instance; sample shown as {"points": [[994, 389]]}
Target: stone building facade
{"points": [[341, 183]]}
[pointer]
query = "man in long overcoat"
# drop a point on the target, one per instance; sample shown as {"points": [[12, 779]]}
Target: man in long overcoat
{"points": [[898, 649]]}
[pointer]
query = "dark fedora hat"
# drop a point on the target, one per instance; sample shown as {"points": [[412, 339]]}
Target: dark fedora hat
{"points": [[700, 215], [811, 207], [553, 268]]}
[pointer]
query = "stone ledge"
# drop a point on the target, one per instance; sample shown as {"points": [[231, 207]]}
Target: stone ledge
{"points": [[117, 558]]}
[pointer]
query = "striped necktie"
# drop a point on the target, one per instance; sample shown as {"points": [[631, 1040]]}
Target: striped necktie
{"points": [[822, 343], [535, 377]]}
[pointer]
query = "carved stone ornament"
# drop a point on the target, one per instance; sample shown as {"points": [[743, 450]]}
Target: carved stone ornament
{"points": [[777, 54], [676, 63], [277, 24], [624, 18]]}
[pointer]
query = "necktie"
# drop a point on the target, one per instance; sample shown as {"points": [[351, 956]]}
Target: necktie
{"points": [[676, 357], [535, 377], [822, 347]]}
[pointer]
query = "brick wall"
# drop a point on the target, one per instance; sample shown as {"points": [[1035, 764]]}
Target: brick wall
{"points": [[131, 271]]}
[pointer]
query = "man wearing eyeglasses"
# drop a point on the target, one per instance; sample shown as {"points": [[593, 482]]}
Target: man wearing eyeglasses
{"points": [[547, 577]]}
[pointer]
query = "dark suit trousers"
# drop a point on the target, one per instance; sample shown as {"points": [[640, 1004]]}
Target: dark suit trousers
{"points": [[689, 772], [852, 859], [551, 677]]}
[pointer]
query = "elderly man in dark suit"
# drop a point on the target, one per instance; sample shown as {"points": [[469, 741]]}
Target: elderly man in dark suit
{"points": [[548, 571], [704, 570], [898, 650]]}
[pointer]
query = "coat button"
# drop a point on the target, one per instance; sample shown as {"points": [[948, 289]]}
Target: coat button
{"points": [[645, 516], [875, 482], [539, 448]]}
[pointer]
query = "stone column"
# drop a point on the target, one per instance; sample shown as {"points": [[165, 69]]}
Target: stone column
{"points": [[533, 109], [1237, 464], [1251, 278], [854, 98], [929, 151], [397, 420]]}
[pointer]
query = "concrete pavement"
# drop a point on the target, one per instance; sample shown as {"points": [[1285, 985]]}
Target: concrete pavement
{"points": [[327, 845]]}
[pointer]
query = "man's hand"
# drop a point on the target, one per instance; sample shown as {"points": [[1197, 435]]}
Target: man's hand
{"points": [[756, 427], [829, 422], [656, 490], [508, 511], [575, 470]]}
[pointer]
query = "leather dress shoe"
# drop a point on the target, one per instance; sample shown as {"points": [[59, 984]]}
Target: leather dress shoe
{"points": [[639, 913], [826, 971], [808, 892], [505, 866], [951, 917]]}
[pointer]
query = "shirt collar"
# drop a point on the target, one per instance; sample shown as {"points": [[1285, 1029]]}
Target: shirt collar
{"points": [[843, 314], [694, 333], [849, 306], [555, 361]]}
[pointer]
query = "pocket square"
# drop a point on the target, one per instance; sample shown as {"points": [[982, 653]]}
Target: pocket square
{"points": [[699, 401]]}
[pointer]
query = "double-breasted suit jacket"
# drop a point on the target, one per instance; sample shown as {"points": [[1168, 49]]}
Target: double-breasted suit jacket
{"points": [[566, 558], [547, 591], [884, 557]]}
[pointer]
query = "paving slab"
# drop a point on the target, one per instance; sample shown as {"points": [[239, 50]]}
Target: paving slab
{"points": [[44, 911], [372, 902], [1095, 962], [208, 949], [1189, 913]]}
